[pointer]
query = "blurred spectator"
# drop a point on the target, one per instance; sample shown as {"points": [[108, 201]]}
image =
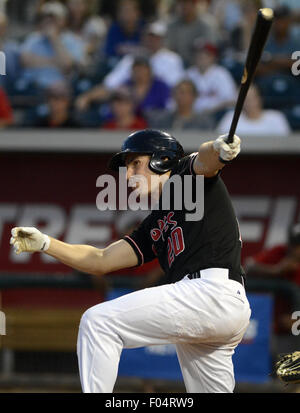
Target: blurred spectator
{"points": [[281, 44], [215, 85], [166, 65], [228, 14], [183, 117], [186, 27], [236, 40], [56, 113], [12, 56], [91, 28], [123, 113], [124, 34], [254, 120], [280, 262], [148, 8], [6, 113], [51, 53], [148, 91], [241, 33]]}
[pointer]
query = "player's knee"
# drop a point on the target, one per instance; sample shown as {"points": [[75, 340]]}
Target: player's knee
{"points": [[92, 318]]}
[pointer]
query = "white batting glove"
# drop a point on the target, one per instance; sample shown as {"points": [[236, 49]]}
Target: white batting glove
{"points": [[29, 239], [227, 151]]}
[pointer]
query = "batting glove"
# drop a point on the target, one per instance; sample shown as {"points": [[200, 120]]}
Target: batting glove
{"points": [[227, 151], [29, 239]]}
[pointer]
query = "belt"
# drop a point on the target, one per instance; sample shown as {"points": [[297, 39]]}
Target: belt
{"points": [[215, 273]]}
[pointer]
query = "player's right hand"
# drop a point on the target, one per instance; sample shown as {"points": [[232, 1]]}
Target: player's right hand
{"points": [[227, 151], [29, 239]]}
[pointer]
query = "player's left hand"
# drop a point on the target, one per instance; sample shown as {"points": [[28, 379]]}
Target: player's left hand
{"points": [[29, 239], [227, 151]]}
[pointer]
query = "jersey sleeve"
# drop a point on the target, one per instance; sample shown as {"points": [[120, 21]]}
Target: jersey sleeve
{"points": [[188, 168], [141, 242], [185, 165]]}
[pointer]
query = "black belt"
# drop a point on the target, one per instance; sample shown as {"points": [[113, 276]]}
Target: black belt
{"points": [[197, 274]]}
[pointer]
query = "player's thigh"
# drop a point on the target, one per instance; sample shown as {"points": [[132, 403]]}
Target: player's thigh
{"points": [[206, 369], [140, 318], [213, 313]]}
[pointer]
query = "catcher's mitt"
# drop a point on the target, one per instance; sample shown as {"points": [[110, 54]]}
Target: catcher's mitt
{"points": [[288, 367]]}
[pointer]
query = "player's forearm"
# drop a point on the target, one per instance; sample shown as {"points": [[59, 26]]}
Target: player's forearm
{"points": [[83, 258], [210, 154], [207, 162]]}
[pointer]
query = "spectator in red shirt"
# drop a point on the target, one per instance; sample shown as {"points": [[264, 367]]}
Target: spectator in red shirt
{"points": [[123, 113], [6, 113], [281, 262]]}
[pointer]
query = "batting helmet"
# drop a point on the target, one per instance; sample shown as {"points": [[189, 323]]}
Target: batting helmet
{"points": [[158, 144]]}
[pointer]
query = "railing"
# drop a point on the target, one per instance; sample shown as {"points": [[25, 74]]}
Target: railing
{"points": [[95, 140]]}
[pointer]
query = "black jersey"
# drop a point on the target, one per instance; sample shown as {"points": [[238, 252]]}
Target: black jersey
{"points": [[185, 247]]}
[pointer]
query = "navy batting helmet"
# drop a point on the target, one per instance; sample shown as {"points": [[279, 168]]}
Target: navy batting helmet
{"points": [[160, 145]]}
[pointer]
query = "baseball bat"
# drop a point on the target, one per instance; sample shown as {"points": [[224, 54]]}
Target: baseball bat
{"points": [[259, 37]]}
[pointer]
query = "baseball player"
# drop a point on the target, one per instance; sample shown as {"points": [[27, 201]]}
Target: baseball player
{"points": [[202, 308]]}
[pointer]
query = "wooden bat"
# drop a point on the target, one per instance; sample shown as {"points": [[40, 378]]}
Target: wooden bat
{"points": [[259, 37]]}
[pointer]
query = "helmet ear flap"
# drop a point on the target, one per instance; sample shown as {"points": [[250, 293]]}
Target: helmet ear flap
{"points": [[159, 165]]}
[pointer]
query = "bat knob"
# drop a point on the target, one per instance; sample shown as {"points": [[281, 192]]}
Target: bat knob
{"points": [[267, 13]]}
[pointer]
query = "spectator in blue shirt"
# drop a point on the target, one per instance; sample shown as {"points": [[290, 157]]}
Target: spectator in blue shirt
{"points": [[12, 57], [51, 53], [149, 92], [280, 46], [124, 34]]}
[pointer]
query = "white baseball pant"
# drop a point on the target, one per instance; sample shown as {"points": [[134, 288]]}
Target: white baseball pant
{"points": [[205, 318]]}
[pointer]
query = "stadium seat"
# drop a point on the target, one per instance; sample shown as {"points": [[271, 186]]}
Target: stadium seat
{"points": [[235, 68], [293, 116], [279, 91]]}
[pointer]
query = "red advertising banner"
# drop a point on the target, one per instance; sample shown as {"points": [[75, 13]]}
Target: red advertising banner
{"points": [[57, 193]]}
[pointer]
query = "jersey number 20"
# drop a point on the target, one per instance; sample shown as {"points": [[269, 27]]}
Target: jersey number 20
{"points": [[175, 244]]}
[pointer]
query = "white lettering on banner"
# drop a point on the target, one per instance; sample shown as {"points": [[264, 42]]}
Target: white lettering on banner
{"points": [[53, 218], [259, 217], [282, 217], [87, 225], [251, 207]]}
